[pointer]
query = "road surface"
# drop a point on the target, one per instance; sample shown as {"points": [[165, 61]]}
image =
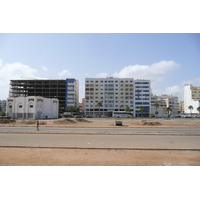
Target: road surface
{"points": [[113, 130], [109, 141]]}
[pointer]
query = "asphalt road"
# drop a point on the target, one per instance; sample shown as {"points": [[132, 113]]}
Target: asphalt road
{"points": [[178, 142], [113, 130]]}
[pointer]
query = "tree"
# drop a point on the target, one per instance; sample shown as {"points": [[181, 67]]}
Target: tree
{"points": [[156, 105], [3, 114], [127, 109], [168, 111], [142, 109], [0, 109], [198, 109], [71, 108], [99, 104], [191, 108]]}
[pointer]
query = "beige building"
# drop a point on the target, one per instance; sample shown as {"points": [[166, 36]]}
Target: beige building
{"points": [[82, 105], [165, 101]]}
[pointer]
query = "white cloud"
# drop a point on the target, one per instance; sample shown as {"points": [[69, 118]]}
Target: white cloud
{"points": [[13, 71], [65, 73], [155, 71], [44, 68], [101, 75]]}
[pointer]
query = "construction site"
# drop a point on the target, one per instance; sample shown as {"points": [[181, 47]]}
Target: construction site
{"points": [[59, 88]]}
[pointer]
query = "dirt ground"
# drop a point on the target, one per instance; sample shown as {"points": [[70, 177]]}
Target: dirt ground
{"points": [[92, 157], [110, 122]]}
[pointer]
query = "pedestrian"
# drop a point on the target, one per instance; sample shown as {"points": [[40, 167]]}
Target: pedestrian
{"points": [[38, 124]]}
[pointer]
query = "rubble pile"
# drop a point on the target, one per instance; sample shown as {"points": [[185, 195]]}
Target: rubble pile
{"points": [[145, 123]]}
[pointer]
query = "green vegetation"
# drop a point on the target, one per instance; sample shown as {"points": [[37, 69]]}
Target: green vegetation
{"points": [[191, 108], [99, 104]]}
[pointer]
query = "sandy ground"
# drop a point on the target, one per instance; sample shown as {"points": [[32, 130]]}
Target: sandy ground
{"points": [[91, 157], [110, 122]]}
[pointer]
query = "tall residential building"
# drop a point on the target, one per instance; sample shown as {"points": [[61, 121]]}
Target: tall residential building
{"points": [[191, 98], [66, 90], [2, 105], [116, 94]]}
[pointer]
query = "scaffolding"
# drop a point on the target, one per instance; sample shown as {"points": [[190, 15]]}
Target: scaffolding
{"points": [[40, 87]]}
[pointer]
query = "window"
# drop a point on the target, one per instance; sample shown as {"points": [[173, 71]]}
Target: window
{"points": [[20, 106], [31, 106]]}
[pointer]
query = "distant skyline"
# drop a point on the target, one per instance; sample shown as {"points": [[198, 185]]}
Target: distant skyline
{"points": [[169, 60]]}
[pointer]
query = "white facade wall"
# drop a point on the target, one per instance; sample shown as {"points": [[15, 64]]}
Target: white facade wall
{"points": [[32, 107], [191, 97], [116, 94]]}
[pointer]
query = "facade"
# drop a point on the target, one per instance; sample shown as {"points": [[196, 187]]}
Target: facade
{"points": [[2, 106], [32, 107], [164, 101], [191, 98], [66, 90], [82, 106], [181, 106], [116, 94]]}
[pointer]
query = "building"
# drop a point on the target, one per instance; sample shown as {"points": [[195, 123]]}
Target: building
{"points": [[32, 107], [191, 98], [165, 101], [82, 106], [181, 106], [116, 94], [66, 90], [2, 106]]}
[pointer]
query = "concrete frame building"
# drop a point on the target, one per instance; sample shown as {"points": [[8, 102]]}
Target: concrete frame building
{"points": [[191, 98], [116, 94], [32, 107], [66, 90]]}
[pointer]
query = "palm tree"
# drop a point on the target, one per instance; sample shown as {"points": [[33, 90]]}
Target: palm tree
{"points": [[168, 111], [99, 104], [142, 109], [71, 108], [191, 108], [127, 109], [156, 105], [198, 109]]}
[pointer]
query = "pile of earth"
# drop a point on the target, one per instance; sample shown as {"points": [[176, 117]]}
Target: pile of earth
{"points": [[145, 123], [70, 121], [83, 120], [64, 121], [33, 122], [7, 121]]}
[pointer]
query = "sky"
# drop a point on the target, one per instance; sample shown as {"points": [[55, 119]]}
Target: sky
{"points": [[156, 40], [169, 60]]}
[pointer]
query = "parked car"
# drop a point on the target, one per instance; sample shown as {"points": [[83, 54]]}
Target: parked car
{"points": [[88, 116], [77, 116], [104, 116]]}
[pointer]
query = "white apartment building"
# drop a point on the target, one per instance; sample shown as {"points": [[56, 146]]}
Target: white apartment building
{"points": [[116, 94], [32, 107], [2, 105], [191, 98]]}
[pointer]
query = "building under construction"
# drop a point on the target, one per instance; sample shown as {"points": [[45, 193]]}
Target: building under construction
{"points": [[66, 90]]}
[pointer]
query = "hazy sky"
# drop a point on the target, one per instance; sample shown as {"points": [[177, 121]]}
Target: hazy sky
{"points": [[169, 60]]}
